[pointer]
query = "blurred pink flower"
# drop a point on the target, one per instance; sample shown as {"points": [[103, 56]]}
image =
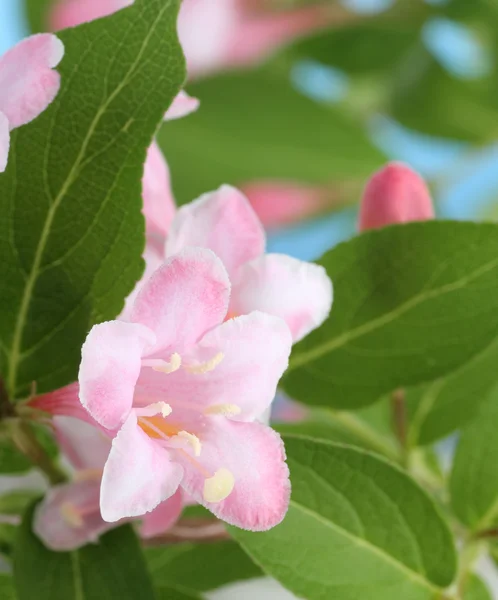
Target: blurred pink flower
{"points": [[395, 194], [230, 33], [69, 13], [283, 203], [28, 84], [178, 346], [69, 516]]}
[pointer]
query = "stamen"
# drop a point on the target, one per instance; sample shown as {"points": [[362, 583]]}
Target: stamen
{"points": [[219, 486], [193, 440], [207, 366], [71, 515], [227, 410], [163, 366], [153, 409]]}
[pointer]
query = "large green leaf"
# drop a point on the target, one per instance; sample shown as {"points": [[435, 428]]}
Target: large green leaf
{"points": [[254, 125], [412, 303], [72, 232], [474, 478], [438, 409], [113, 568], [192, 569], [357, 528], [7, 591]]}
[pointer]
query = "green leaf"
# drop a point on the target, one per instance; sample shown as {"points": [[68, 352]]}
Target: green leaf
{"points": [[72, 234], [113, 568], [438, 409], [7, 591], [165, 593], [11, 459], [254, 125], [476, 589], [474, 478], [412, 304], [357, 528], [194, 568], [427, 98], [37, 13], [359, 48]]}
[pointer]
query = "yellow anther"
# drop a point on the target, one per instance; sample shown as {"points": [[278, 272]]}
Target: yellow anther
{"points": [[193, 440], [227, 410], [71, 515], [175, 362], [219, 486], [207, 366]]}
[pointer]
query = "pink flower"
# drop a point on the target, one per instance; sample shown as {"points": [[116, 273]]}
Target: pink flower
{"points": [[28, 84], [69, 516], [184, 387], [281, 203], [230, 33], [68, 13], [395, 194], [298, 292]]}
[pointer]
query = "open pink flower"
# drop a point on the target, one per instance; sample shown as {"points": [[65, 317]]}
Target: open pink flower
{"points": [[28, 84], [297, 291], [69, 516], [184, 386]]}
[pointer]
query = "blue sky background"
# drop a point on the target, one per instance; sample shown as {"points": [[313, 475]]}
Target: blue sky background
{"points": [[465, 185]]}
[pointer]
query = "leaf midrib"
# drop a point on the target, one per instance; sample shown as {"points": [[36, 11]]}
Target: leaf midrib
{"points": [[15, 352], [317, 352]]}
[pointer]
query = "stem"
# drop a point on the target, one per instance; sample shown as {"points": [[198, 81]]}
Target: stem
{"points": [[205, 531], [468, 556], [400, 421], [6, 408], [25, 440], [488, 533]]}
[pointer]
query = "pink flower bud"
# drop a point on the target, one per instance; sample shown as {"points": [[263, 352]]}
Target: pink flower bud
{"points": [[395, 194]]}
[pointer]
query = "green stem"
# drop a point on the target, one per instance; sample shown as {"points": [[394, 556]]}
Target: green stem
{"points": [[25, 440]]}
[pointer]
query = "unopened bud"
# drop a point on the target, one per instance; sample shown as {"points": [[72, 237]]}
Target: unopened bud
{"points": [[395, 194]]}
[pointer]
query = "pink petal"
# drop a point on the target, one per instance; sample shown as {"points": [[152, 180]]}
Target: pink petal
{"points": [[183, 299], [68, 13], [255, 351], [86, 447], [110, 365], [27, 82], [138, 475], [222, 221], [182, 105], [299, 292], [4, 141], [255, 456], [61, 533], [153, 260], [163, 517], [395, 194], [159, 204]]}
